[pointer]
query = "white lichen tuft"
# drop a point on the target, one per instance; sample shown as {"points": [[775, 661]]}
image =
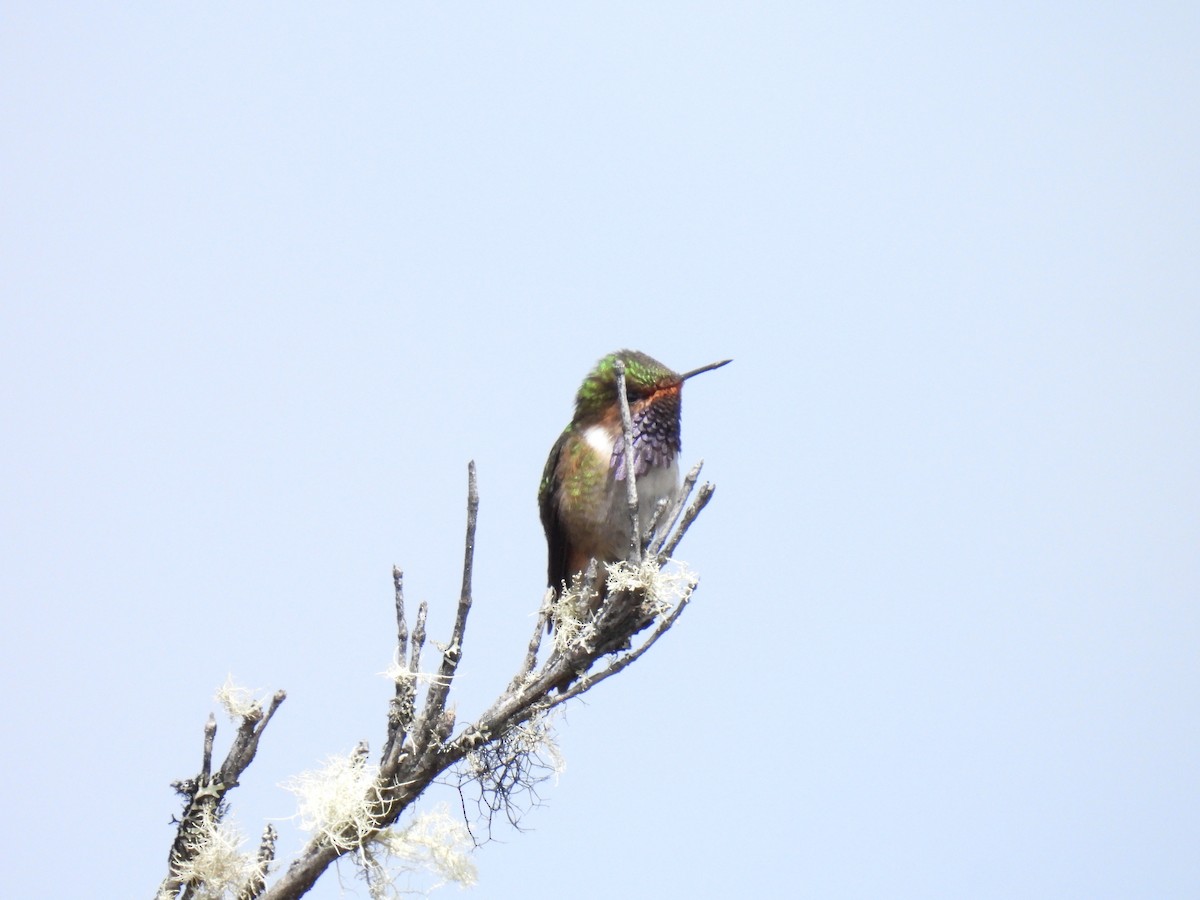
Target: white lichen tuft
{"points": [[216, 868], [398, 672], [573, 618], [336, 800], [434, 842], [238, 701], [662, 587]]}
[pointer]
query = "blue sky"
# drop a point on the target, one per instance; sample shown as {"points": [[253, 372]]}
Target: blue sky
{"points": [[273, 275]]}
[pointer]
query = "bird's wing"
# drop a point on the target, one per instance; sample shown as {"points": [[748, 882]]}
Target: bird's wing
{"points": [[558, 551]]}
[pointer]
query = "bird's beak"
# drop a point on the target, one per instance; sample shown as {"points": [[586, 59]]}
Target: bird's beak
{"points": [[686, 375]]}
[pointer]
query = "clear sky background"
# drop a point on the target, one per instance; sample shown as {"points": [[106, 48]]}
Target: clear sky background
{"points": [[273, 273]]}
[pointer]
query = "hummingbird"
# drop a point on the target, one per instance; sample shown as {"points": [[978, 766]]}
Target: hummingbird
{"points": [[582, 497]]}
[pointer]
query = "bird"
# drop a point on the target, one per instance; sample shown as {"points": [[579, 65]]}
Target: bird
{"points": [[582, 496]]}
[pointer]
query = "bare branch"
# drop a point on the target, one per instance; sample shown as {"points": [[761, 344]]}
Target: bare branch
{"points": [[505, 751], [535, 641], [400, 710], [210, 732], [418, 637], [266, 855], [656, 518], [702, 497], [634, 554], [206, 792], [401, 623], [677, 506], [628, 659], [439, 688], [245, 742]]}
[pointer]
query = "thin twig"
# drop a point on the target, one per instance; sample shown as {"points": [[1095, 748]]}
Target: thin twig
{"points": [[626, 660], [418, 637], [439, 687], [245, 742], [656, 518], [702, 497], [401, 623], [404, 704], [535, 641], [210, 732], [634, 554], [677, 507], [257, 882], [400, 710]]}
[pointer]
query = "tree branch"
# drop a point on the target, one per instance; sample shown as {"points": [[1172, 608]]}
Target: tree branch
{"points": [[634, 554], [205, 794], [439, 689], [497, 750]]}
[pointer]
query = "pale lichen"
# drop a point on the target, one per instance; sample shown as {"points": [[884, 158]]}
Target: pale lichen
{"points": [[435, 842], [214, 865], [336, 801], [398, 672], [574, 616], [663, 587], [238, 701]]}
